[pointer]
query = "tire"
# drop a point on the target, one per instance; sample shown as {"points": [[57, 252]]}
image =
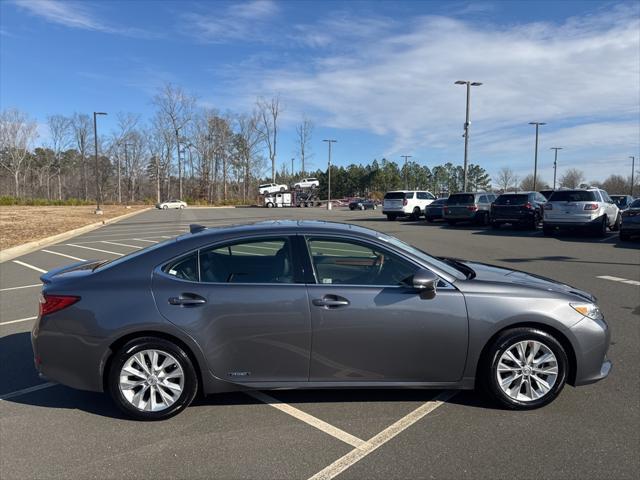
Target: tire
{"points": [[351, 208], [282, 189], [601, 230], [361, 207], [522, 395], [484, 219], [165, 207], [270, 205], [181, 207], [533, 224], [415, 214], [172, 359], [625, 237], [495, 225], [452, 223], [391, 217], [547, 231], [616, 225]]}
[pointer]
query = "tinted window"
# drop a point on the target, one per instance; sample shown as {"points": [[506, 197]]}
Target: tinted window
{"points": [[546, 193], [409, 195], [512, 200], [252, 261], [311, 179], [572, 196], [394, 196], [461, 199], [635, 204], [186, 268], [348, 263], [483, 199]]}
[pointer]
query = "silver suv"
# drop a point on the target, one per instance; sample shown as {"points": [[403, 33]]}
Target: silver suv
{"points": [[581, 208], [472, 207]]}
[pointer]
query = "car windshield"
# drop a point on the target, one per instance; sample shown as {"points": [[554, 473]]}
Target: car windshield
{"points": [[635, 204], [573, 196], [461, 199], [394, 196], [512, 199], [619, 200]]}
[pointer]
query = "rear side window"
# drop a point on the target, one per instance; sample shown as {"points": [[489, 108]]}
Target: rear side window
{"points": [[635, 204], [573, 196], [409, 195], [511, 200], [185, 268], [483, 199], [461, 199], [394, 196]]}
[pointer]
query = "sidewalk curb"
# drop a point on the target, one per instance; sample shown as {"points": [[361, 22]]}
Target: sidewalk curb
{"points": [[13, 252]]}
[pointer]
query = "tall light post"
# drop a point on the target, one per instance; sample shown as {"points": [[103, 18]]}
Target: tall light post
{"points": [[633, 168], [535, 161], [555, 164], [467, 124], [292, 167], [329, 141], [406, 178], [95, 142]]}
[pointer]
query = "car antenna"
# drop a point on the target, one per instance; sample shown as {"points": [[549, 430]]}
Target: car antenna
{"points": [[196, 228]]}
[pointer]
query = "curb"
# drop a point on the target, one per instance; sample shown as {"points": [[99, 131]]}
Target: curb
{"points": [[13, 252]]}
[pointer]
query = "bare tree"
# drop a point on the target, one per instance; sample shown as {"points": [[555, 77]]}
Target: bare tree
{"points": [[176, 108], [504, 179], [17, 132], [572, 178], [246, 145], [60, 138], [82, 132], [268, 112], [304, 131]]}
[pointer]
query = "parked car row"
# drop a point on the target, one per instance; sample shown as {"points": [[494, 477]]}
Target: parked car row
{"points": [[590, 209]]}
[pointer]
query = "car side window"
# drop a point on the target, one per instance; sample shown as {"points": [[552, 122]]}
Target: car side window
{"points": [[605, 196], [408, 195], [423, 196], [185, 268], [482, 199], [346, 262], [250, 261]]}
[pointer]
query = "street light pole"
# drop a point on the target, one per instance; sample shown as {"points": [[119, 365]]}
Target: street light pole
{"points": [[406, 178], [467, 124], [633, 168], [292, 167], [95, 142], [329, 174], [535, 161], [555, 164]]}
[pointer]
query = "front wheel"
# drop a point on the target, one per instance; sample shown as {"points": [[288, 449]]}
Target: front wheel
{"points": [[181, 207], [165, 207], [524, 368], [152, 379]]}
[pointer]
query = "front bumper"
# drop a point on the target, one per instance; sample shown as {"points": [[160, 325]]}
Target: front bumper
{"points": [[592, 339]]}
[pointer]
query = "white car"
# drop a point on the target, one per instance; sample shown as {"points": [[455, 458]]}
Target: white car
{"points": [[406, 203], [589, 208], [267, 188], [171, 204], [307, 183]]}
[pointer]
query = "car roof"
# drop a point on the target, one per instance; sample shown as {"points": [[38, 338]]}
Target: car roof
{"points": [[518, 193]]}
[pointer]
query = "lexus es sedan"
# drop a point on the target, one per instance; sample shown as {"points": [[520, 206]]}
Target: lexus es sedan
{"points": [[309, 304]]}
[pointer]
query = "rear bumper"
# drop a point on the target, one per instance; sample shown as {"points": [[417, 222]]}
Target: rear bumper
{"points": [[397, 213], [513, 217], [572, 222]]}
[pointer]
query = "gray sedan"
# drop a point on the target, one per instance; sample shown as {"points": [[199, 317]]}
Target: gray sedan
{"points": [[310, 304]]}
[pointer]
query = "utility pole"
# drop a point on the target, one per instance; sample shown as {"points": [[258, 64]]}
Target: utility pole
{"points": [[329, 174], [406, 178], [555, 164], [467, 124], [95, 143], [535, 161], [633, 168]]}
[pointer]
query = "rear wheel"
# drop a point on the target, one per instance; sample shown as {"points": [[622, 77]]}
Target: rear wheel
{"points": [[391, 217], [270, 205], [547, 231], [152, 379], [415, 214], [601, 229], [451, 222], [524, 368]]}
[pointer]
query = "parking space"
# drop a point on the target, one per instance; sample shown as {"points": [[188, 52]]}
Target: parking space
{"points": [[588, 432]]}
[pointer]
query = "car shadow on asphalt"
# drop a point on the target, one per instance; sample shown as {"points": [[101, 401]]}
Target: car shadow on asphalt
{"points": [[560, 258]]}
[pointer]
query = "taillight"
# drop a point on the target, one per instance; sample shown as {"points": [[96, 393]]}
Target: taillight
{"points": [[591, 206], [528, 206], [472, 208], [404, 202], [548, 206], [54, 303]]}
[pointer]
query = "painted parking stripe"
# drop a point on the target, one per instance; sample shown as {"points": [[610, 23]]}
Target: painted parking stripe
{"points": [[121, 244], [143, 240], [619, 279], [18, 320], [19, 288], [24, 391], [309, 419], [96, 249], [64, 255], [37, 269], [357, 454]]}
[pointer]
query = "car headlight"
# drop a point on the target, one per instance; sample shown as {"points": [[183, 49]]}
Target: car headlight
{"points": [[589, 310]]}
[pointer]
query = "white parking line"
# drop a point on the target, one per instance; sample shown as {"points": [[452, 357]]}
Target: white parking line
{"points": [[18, 288], [143, 240], [121, 244], [309, 419], [357, 454], [27, 390], [29, 266], [64, 255], [96, 249], [618, 279], [18, 321]]}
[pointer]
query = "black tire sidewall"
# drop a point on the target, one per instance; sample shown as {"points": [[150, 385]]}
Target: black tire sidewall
{"points": [[504, 341], [145, 343]]}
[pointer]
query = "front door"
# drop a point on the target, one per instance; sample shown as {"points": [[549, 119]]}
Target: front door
{"points": [[241, 303], [369, 326]]}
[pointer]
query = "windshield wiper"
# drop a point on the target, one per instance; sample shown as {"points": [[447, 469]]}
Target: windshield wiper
{"points": [[458, 265]]}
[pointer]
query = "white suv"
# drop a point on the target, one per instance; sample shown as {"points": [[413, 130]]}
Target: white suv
{"points": [[267, 188], [307, 183], [581, 208], [406, 203]]}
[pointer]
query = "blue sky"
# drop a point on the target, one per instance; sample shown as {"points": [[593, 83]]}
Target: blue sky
{"points": [[377, 76]]}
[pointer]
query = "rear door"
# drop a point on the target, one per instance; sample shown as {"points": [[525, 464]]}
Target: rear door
{"points": [[369, 326], [245, 304]]}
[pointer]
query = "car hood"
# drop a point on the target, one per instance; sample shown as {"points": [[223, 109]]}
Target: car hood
{"points": [[492, 273]]}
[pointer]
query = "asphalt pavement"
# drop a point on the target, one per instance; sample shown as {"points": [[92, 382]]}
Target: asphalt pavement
{"points": [[51, 431]]}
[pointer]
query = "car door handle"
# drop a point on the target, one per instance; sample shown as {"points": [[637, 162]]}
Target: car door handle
{"points": [[187, 300], [330, 301]]}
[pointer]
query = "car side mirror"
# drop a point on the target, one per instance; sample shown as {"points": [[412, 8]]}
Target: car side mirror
{"points": [[425, 281]]}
